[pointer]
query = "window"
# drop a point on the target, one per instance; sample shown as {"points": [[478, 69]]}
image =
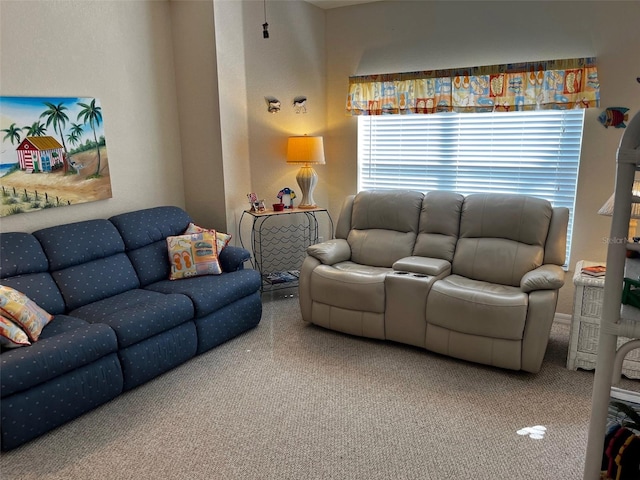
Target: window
{"points": [[532, 152]]}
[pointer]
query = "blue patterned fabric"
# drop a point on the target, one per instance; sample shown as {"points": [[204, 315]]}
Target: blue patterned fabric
{"points": [[24, 267], [151, 262], [29, 414], [40, 288], [228, 322], [212, 292], [145, 235], [20, 254], [62, 324], [96, 280], [148, 359], [144, 227], [232, 258], [23, 368], [78, 243], [108, 334], [137, 314]]}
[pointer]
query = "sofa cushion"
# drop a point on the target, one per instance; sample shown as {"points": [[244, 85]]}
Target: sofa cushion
{"points": [[384, 225], [11, 335], [439, 225], [20, 254], [212, 292], [96, 280], [477, 308], [137, 314], [349, 285], [87, 261], [23, 311], [76, 345], [193, 255], [502, 237], [78, 243], [41, 288], [24, 266], [144, 233], [144, 227]]}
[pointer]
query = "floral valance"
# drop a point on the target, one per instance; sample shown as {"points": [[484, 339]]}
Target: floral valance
{"points": [[549, 84]]}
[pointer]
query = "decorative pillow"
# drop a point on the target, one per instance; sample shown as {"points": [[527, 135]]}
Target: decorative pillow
{"points": [[23, 311], [222, 239], [10, 334], [193, 255]]}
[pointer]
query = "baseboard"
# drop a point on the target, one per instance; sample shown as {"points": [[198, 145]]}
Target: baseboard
{"points": [[563, 318]]}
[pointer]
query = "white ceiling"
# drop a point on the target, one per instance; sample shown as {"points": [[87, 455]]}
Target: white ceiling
{"points": [[326, 4]]}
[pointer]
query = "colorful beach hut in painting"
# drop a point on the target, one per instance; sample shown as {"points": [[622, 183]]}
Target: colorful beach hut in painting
{"points": [[39, 154]]}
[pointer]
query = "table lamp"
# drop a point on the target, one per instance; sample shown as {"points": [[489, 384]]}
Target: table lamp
{"points": [[306, 150], [607, 209]]}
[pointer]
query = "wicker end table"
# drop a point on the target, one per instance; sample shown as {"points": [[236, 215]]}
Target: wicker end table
{"points": [[585, 325]]}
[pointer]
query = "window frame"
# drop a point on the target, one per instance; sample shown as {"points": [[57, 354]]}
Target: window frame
{"points": [[457, 145]]}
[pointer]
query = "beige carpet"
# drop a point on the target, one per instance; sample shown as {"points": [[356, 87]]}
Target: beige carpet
{"points": [[293, 401]]}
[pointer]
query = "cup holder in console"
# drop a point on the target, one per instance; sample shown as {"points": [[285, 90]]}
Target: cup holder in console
{"points": [[416, 275]]}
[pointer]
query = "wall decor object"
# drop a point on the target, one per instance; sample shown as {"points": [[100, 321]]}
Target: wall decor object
{"points": [[53, 153], [300, 104], [614, 117], [273, 104]]}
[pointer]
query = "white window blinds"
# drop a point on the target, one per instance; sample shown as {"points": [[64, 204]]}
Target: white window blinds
{"points": [[533, 152]]}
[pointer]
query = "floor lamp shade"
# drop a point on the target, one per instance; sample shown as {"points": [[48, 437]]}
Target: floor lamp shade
{"points": [[607, 209], [306, 150]]}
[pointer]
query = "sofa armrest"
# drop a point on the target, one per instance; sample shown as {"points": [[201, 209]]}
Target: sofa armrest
{"points": [[424, 265], [545, 277], [232, 258], [331, 251]]}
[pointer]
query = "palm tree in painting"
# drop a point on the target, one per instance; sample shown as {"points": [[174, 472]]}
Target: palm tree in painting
{"points": [[12, 133], [56, 117], [92, 115], [73, 139], [76, 133], [36, 129]]}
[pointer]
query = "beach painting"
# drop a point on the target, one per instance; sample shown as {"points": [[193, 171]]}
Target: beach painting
{"points": [[53, 153]]}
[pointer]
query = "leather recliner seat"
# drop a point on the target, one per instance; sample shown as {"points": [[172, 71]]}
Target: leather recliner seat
{"points": [[473, 277]]}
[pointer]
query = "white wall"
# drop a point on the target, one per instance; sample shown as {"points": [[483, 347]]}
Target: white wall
{"points": [[121, 53], [194, 50], [289, 63], [404, 36]]}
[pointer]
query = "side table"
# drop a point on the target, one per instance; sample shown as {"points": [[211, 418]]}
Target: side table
{"points": [[585, 325], [279, 241]]}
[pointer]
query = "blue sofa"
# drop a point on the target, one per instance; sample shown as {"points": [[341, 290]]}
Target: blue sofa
{"points": [[118, 319]]}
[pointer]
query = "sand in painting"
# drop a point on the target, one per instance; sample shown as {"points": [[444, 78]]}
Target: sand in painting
{"points": [[75, 188]]}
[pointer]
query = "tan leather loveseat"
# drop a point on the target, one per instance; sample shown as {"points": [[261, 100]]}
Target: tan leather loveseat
{"points": [[473, 277]]}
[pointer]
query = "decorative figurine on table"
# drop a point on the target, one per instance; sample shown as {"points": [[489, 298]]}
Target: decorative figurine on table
{"points": [[253, 201], [286, 195], [256, 205]]}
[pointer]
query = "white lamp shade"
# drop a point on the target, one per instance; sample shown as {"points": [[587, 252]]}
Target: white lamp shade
{"points": [[305, 149], [607, 208]]}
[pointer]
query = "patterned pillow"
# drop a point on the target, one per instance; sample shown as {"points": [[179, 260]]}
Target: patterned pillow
{"points": [[23, 311], [10, 334], [193, 255], [222, 239]]}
